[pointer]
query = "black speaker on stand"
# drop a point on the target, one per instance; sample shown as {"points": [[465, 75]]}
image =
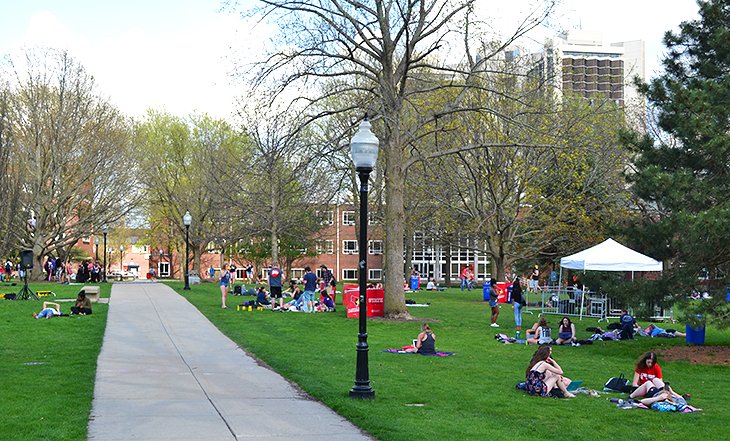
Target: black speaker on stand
{"points": [[26, 264]]}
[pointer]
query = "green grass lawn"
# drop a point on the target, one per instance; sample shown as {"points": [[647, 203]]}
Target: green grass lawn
{"points": [[470, 395], [47, 366]]}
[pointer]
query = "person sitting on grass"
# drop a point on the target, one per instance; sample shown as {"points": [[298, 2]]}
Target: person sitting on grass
{"points": [[82, 306], [628, 325], [49, 310], [655, 331], [566, 332], [262, 298], [542, 334], [649, 383], [425, 343], [545, 374], [326, 303]]}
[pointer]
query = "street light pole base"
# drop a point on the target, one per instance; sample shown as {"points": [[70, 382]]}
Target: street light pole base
{"points": [[362, 393]]}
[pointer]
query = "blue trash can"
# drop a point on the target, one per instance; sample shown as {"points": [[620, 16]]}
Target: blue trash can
{"points": [[485, 288], [695, 336], [414, 283]]}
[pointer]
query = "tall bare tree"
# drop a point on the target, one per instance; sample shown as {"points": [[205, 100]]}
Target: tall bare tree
{"points": [[71, 151], [377, 49]]}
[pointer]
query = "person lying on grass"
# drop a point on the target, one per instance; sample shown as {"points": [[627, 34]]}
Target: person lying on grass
{"points": [[655, 331], [545, 374], [49, 310], [425, 343]]}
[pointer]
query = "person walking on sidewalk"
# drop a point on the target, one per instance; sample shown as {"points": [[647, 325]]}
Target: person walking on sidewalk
{"points": [[493, 296]]}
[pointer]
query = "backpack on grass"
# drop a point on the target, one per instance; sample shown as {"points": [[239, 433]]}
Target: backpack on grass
{"points": [[617, 384]]}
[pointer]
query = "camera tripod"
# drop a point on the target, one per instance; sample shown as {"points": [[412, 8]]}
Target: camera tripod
{"points": [[25, 292]]}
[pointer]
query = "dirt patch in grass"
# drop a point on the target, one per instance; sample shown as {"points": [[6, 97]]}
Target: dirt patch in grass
{"points": [[698, 354]]}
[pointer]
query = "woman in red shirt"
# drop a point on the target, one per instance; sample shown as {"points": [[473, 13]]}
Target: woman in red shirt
{"points": [[647, 376]]}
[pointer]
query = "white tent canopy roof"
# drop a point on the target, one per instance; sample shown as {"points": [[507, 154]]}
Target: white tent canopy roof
{"points": [[610, 255]]}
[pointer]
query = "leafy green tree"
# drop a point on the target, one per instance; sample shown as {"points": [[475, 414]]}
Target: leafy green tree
{"points": [[187, 165], [378, 49], [682, 176]]}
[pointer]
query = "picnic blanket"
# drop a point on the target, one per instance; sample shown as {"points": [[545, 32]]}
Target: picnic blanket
{"points": [[402, 351], [661, 406]]}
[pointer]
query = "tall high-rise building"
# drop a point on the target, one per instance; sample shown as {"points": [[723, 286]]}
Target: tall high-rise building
{"points": [[579, 63]]}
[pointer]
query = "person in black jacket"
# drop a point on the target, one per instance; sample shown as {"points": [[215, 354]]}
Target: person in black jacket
{"points": [[627, 325], [517, 303]]}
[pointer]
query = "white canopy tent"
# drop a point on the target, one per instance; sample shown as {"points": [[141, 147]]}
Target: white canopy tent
{"points": [[608, 255]]}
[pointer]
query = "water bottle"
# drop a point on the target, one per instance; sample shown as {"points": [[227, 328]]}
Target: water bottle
{"points": [[517, 335]]}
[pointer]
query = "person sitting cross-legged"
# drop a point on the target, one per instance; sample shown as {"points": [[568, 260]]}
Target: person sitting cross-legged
{"points": [[82, 305], [425, 343]]}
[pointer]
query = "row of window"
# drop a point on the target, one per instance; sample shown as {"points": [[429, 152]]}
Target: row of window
{"points": [[348, 217], [298, 273], [375, 247]]}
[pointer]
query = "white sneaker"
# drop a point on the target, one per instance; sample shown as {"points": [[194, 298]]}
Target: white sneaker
{"points": [[494, 325]]}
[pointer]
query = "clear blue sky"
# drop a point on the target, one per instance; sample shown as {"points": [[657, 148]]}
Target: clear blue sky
{"points": [[177, 55]]}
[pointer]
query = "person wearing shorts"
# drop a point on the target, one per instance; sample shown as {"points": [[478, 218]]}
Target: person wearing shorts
{"points": [[275, 276], [310, 286]]}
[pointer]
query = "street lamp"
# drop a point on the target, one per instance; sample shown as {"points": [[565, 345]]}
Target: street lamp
{"points": [[96, 249], [105, 230], [364, 152], [187, 220], [121, 257]]}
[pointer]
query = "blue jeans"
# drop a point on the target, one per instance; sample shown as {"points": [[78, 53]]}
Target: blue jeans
{"points": [[465, 284], [518, 314]]}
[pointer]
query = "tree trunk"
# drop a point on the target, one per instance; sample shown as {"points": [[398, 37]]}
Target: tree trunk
{"points": [[395, 303], [408, 245]]}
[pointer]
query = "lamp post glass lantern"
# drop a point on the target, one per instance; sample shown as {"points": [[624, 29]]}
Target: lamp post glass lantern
{"points": [[105, 230], [364, 152], [187, 220]]}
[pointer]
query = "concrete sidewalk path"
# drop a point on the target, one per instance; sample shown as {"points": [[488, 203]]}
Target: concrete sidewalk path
{"points": [[166, 373]]}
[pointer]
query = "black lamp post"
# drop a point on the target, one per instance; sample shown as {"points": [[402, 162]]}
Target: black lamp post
{"points": [[105, 230], [96, 249], [187, 220], [364, 152], [121, 258]]}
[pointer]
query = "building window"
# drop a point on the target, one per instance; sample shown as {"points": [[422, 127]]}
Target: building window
{"points": [[375, 274], [325, 247], [349, 247], [240, 273], [325, 217], [163, 269], [297, 273], [349, 274], [375, 247], [348, 218], [373, 218], [87, 239]]}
